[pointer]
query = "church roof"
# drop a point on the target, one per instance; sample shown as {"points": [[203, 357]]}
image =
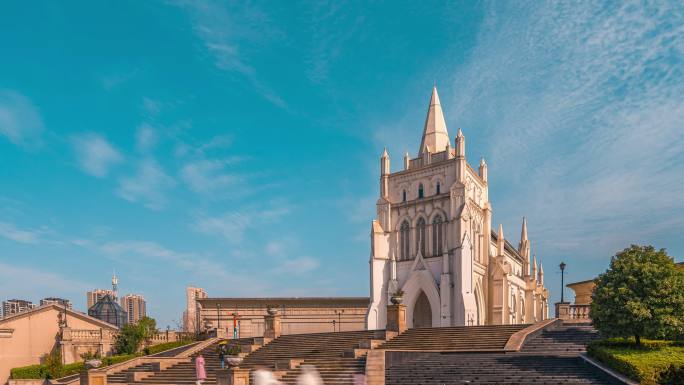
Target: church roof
{"points": [[435, 135], [507, 246]]}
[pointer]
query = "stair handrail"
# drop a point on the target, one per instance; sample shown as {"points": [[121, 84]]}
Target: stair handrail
{"points": [[200, 346], [518, 339]]}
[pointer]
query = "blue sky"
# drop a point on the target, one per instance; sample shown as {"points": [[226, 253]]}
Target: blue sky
{"points": [[235, 145]]}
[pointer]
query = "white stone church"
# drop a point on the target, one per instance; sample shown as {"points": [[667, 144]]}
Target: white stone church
{"points": [[433, 240]]}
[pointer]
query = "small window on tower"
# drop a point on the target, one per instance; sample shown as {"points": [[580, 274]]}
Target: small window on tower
{"points": [[438, 188], [420, 191], [403, 196]]}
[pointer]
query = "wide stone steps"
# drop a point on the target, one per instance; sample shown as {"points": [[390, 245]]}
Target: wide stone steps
{"points": [[336, 371], [459, 338], [303, 346], [492, 368], [120, 377], [184, 373]]}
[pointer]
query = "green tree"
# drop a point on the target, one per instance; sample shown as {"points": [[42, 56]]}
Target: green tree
{"points": [[53, 364], [640, 295], [132, 336]]}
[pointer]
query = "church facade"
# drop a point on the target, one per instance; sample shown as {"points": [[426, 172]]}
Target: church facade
{"points": [[432, 241]]}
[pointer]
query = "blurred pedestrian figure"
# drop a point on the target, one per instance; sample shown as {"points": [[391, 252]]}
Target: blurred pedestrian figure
{"points": [[309, 376], [359, 379], [222, 351], [263, 376], [199, 369]]}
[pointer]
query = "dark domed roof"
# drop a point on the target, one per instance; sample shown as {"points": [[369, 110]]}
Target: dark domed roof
{"points": [[107, 310]]}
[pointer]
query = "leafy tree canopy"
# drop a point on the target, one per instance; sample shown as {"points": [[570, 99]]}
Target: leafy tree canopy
{"points": [[640, 295], [132, 336]]}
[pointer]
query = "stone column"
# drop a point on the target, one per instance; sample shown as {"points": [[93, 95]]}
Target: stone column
{"points": [[396, 318], [563, 310], [272, 326], [238, 376]]}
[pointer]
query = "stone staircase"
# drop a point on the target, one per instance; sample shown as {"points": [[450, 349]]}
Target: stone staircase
{"points": [[457, 338], [493, 368], [332, 371], [565, 340], [550, 357], [121, 377], [183, 373], [336, 356]]}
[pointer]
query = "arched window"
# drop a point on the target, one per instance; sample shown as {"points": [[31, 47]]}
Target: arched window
{"points": [[403, 196], [513, 303], [420, 191], [420, 236], [438, 188], [437, 235], [522, 308], [404, 232]]}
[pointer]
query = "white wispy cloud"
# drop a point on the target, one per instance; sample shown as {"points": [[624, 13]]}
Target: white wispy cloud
{"points": [[297, 265], [10, 231], [225, 30], [231, 226], [95, 154], [579, 108], [20, 120], [148, 186], [210, 176], [146, 137], [14, 283]]}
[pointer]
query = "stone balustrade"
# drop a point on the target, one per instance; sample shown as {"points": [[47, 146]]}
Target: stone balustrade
{"points": [[579, 312]]}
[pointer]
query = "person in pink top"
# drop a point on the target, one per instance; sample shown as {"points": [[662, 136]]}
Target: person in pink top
{"points": [[199, 369]]}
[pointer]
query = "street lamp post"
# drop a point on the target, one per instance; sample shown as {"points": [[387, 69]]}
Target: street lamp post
{"points": [[562, 267], [218, 316]]}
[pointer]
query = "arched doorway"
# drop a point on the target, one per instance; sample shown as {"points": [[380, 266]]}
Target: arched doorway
{"points": [[422, 313]]}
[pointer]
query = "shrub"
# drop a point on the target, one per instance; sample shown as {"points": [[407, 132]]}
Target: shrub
{"points": [[28, 372], [640, 295], [644, 363], [674, 375], [42, 371]]}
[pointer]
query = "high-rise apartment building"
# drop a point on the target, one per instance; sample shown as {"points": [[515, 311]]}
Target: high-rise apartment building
{"points": [[190, 315], [14, 306], [57, 301], [135, 307], [97, 294]]}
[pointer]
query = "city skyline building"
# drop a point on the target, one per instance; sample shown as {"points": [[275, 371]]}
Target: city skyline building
{"points": [[191, 315], [57, 301], [15, 306], [97, 294], [135, 307]]}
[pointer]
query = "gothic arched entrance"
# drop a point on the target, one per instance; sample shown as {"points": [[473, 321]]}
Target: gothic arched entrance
{"points": [[422, 313]]}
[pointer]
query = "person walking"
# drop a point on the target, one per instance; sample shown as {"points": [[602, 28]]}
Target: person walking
{"points": [[263, 376], [309, 376], [200, 371], [222, 351]]}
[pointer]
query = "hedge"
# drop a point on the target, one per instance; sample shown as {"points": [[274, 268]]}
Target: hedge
{"points": [[654, 362], [41, 371]]}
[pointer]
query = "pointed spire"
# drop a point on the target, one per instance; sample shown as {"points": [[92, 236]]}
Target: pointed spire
{"points": [[483, 169], [435, 135], [406, 160], [534, 269], [460, 144], [384, 153], [523, 234], [541, 273], [500, 240]]}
